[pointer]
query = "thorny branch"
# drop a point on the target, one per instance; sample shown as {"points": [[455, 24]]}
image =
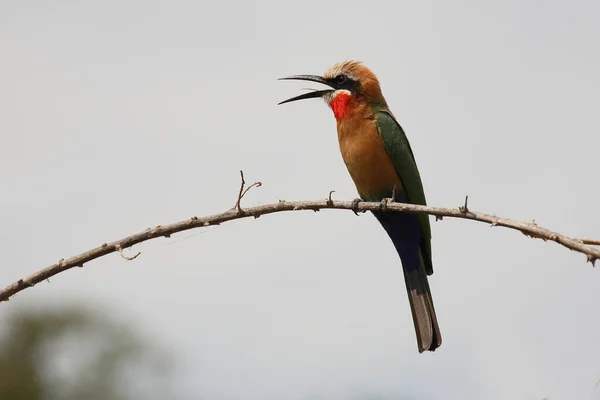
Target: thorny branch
{"points": [[530, 229]]}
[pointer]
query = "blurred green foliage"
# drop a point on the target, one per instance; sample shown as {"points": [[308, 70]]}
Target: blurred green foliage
{"points": [[77, 354]]}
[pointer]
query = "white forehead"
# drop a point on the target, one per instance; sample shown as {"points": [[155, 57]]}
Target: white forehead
{"points": [[338, 69]]}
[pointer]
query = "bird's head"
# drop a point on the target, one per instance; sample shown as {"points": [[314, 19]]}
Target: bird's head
{"points": [[352, 85]]}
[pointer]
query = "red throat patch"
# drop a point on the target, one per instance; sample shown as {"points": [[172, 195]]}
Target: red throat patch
{"points": [[339, 105]]}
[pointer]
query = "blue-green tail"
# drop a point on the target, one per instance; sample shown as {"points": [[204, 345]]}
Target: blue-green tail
{"points": [[405, 232]]}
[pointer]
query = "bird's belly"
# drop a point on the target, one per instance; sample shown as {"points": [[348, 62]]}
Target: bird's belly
{"points": [[370, 166]]}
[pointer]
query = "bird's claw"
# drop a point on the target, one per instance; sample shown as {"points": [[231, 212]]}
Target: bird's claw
{"points": [[355, 203], [384, 203]]}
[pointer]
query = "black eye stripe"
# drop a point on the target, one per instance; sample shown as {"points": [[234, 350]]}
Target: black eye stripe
{"points": [[344, 82]]}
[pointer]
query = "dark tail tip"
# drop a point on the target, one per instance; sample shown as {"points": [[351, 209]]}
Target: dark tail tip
{"points": [[427, 329]]}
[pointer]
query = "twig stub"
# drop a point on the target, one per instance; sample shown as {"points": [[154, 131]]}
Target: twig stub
{"points": [[464, 208]]}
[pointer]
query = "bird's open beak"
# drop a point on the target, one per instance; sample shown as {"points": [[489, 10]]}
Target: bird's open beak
{"points": [[310, 95]]}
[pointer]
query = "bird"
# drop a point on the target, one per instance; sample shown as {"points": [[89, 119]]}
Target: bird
{"points": [[378, 156]]}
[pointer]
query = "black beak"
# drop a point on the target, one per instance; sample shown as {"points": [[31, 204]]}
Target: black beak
{"points": [[310, 95]]}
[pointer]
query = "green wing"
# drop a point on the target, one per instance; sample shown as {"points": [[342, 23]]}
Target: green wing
{"points": [[398, 148]]}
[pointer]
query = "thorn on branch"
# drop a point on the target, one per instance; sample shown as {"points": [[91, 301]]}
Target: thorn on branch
{"points": [[592, 260], [128, 258], [243, 192], [464, 208], [329, 200]]}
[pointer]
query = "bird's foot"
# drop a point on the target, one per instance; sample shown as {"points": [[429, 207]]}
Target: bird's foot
{"points": [[355, 203], [384, 203]]}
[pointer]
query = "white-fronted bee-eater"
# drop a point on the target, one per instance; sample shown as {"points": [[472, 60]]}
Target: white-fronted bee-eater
{"points": [[381, 163]]}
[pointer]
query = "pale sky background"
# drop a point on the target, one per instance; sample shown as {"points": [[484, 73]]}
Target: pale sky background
{"points": [[119, 115]]}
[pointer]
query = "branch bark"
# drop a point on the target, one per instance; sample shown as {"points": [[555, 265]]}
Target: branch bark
{"points": [[237, 212]]}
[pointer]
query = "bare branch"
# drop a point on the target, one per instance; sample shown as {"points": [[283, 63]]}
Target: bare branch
{"points": [[529, 229]]}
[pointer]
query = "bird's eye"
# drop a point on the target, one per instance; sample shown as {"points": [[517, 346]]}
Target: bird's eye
{"points": [[341, 79]]}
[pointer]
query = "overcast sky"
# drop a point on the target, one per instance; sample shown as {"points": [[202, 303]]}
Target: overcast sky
{"points": [[119, 115]]}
